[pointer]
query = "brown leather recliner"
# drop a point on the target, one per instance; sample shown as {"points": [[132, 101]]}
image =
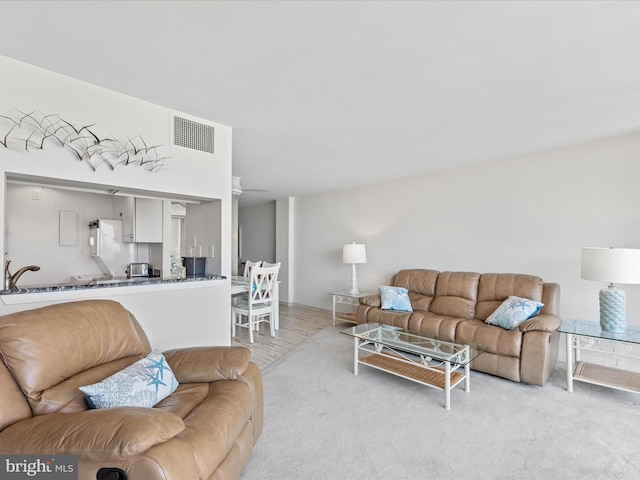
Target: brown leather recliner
{"points": [[205, 429]]}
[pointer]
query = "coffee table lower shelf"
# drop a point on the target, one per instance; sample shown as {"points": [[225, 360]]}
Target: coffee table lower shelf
{"points": [[433, 377]]}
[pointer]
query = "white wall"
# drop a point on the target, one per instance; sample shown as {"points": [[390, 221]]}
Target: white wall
{"points": [[32, 232], [188, 173], [285, 228], [522, 215]]}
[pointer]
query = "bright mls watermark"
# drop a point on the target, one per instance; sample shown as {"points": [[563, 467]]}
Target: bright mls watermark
{"points": [[39, 467]]}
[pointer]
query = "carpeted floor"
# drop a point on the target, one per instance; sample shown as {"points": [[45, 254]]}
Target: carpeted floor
{"points": [[323, 422]]}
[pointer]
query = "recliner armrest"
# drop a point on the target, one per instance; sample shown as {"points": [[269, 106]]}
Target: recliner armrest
{"points": [[371, 300], [109, 434], [543, 322], [208, 364]]}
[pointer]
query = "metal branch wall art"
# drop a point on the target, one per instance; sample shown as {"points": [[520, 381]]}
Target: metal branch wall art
{"points": [[35, 131]]}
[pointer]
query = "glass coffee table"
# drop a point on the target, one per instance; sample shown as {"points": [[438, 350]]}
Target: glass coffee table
{"points": [[429, 361]]}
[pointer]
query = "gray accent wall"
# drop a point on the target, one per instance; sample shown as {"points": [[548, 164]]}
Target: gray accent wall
{"points": [[257, 227]]}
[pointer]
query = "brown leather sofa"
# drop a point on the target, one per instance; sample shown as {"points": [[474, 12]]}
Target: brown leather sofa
{"points": [[454, 306], [205, 429]]}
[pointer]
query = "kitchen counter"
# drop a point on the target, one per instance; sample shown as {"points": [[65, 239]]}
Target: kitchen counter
{"points": [[112, 282], [177, 313]]}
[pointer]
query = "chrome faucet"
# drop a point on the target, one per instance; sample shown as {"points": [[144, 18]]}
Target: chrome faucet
{"points": [[11, 280]]}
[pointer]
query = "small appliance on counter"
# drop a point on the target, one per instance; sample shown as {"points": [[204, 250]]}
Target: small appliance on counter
{"points": [[195, 266], [138, 270]]}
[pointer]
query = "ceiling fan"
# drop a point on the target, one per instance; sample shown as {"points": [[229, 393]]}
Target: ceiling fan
{"points": [[237, 189]]}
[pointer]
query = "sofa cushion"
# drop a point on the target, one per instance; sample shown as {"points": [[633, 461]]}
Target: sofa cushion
{"points": [[434, 326], [496, 339], [143, 384], [494, 288], [513, 311], [395, 298], [185, 399], [66, 397], [456, 294], [420, 302], [106, 434], [389, 317], [417, 280]]}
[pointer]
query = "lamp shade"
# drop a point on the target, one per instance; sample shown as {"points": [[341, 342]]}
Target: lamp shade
{"points": [[354, 253], [611, 265]]}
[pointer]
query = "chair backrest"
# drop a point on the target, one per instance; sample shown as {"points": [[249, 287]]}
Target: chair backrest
{"points": [[249, 265], [268, 264], [262, 283], [48, 352]]}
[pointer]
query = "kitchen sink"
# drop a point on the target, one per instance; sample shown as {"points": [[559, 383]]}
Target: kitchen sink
{"points": [[111, 281]]}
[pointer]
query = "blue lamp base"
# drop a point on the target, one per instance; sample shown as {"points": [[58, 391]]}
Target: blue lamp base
{"points": [[612, 310]]}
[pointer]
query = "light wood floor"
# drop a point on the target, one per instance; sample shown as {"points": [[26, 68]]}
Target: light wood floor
{"points": [[297, 323]]}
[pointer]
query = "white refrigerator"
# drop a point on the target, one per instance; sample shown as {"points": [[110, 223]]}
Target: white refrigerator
{"points": [[107, 248]]}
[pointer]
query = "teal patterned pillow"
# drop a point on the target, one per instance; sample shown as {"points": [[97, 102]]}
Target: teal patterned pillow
{"points": [[142, 384], [513, 311], [395, 298]]}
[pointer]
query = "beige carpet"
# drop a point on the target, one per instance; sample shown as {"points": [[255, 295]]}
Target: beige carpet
{"points": [[322, 422]]}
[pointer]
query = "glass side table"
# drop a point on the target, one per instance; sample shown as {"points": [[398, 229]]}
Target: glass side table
{"points": [[347, 298], [584, 335]]}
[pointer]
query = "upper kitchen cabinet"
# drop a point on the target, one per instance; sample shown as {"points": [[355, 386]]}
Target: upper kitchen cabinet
{"points": [[141, 220]]}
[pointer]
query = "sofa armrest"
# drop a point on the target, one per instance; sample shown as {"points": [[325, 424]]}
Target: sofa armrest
{"points": [[109, 434], [208, 364], [371, 301], [544, 322]]}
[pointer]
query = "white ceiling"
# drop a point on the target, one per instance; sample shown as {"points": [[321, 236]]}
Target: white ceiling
{"points": [[324, 95]]}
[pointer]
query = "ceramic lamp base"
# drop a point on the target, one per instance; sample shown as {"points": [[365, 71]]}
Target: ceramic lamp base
{"points": [[612, 310], [353, 282]]}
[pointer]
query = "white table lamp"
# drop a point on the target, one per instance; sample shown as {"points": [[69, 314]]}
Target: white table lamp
{"points": [[354, 253], [611, 265]]}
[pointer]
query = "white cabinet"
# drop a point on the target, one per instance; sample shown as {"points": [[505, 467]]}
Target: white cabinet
{"points": [[142, 220]]}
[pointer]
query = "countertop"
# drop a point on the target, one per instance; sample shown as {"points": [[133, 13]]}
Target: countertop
{"points": [[113, 282]]}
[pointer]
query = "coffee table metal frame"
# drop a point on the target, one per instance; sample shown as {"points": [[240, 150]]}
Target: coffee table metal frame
{"points": [[428, 361]]}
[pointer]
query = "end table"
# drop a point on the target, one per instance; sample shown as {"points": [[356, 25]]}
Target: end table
{"points": [[347, 298], [588, 336]]}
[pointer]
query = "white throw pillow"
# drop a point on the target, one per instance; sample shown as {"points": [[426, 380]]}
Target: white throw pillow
{"points": [[513, 311], [142, 384], [395, 298]]}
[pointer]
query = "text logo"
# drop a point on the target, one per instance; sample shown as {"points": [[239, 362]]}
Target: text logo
{"points": [[39, 467]]}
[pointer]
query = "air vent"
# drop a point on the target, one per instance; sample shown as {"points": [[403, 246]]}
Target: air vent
{"points": [[192, 134]]}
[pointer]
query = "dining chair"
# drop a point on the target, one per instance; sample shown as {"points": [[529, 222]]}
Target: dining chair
{"points": [[276, 297], [248, 265], [245, 273], [257, 305]]}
